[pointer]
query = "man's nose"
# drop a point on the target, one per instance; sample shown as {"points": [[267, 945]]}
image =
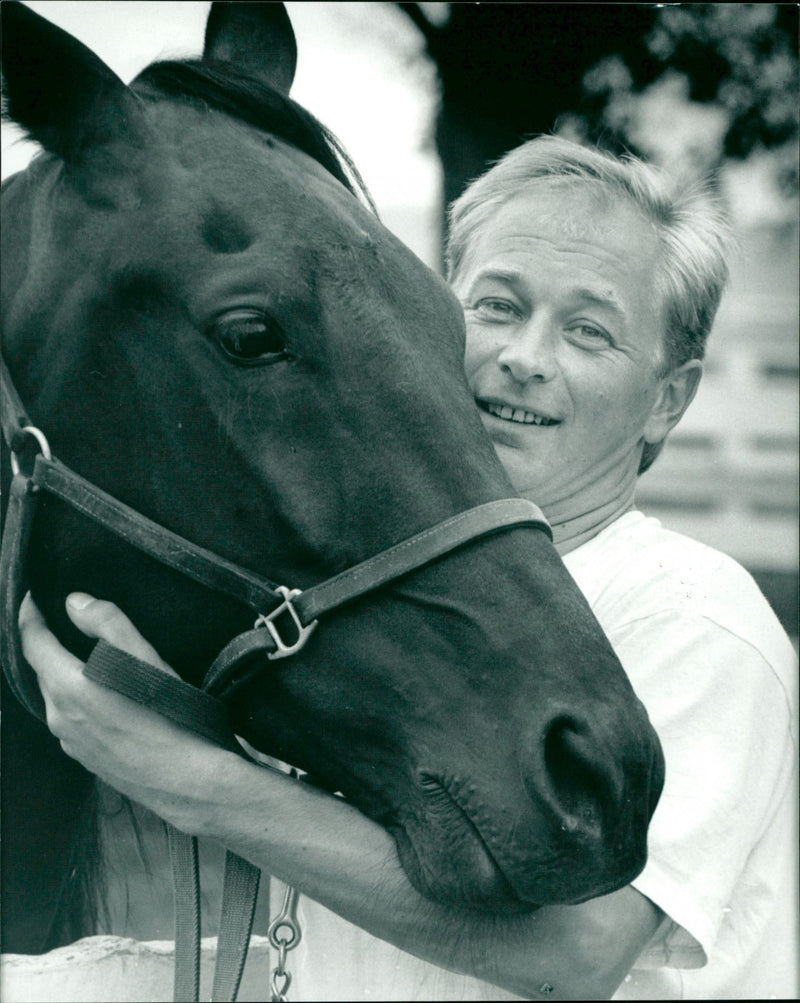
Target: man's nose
{"points": [[530, 352]]}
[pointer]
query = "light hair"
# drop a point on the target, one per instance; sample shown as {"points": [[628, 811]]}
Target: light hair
{"points": [[688, 220]]}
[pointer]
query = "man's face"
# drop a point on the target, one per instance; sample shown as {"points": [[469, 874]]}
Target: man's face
{"points": [[564, 336]]}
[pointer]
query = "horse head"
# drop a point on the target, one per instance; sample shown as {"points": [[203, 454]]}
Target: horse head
{"points": [[209, 324]]}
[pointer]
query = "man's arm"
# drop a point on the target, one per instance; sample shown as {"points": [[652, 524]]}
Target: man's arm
{"points": [[316, 842]]}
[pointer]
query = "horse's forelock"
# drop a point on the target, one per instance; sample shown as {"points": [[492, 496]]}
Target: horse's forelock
{"points": [[222, 87]]}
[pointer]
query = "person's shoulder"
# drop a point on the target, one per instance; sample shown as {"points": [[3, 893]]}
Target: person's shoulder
{"points": [[687, 569], [636, 551], [636, 568]]}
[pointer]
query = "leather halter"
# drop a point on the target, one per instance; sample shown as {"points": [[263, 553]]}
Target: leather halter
{"points": [[201, 710], [268, 599]]}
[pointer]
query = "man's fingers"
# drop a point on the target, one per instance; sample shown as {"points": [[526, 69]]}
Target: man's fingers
{"points": [[97, 618], [39, 646]]}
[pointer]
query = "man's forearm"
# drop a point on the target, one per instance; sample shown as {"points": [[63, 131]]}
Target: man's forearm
{"points": [[316, 842], [338, 857], [329, 851]]}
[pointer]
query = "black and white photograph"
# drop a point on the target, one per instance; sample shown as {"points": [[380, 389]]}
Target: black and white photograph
{"points": [[400, 521]]}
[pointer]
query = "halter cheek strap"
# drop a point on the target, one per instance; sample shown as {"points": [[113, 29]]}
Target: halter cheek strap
{"points": [[273, 604]]}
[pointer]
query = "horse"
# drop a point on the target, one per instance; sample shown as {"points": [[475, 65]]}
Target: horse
{"points": [[204, 316]]}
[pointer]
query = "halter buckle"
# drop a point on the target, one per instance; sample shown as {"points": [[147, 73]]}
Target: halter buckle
{"points": [[39, 436], [268, 620]]}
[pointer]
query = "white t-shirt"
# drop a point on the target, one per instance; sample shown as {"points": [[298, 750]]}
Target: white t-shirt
{"points": [[718, 677], [717, 673]]}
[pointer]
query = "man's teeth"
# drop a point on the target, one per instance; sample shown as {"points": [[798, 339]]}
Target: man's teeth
{"points": [[517, 414]]}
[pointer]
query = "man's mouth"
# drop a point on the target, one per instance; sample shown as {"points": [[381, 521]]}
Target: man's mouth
{"points": [[515, 414]]}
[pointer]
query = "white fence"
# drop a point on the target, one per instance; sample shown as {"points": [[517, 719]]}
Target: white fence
{"points": [[729, 473]]}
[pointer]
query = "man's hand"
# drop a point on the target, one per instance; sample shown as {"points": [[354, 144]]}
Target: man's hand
{"points": [[132, 748]]}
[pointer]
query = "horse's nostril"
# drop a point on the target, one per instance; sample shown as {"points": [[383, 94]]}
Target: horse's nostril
{"points": [[576, 775]]}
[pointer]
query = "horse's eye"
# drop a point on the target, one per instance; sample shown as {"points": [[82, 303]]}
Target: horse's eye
{"points": [[250, 338]]}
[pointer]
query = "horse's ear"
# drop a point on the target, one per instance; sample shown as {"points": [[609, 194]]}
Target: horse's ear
{"points": [[256, 37], [57, 89]]}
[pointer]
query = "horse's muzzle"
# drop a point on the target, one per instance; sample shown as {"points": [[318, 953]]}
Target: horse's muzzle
{"points": [[557, 819]]}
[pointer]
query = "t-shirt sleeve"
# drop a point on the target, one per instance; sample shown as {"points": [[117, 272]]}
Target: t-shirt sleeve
{"points": [[724, 723]]}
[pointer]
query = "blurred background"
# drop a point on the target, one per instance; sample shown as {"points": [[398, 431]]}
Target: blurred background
{"points": [[425, 95]]}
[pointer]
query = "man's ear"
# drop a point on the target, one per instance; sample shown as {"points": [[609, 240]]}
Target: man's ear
{"points": [[676, 392]]}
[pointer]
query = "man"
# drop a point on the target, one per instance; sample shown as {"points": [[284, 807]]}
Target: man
{"points": [[589, 291]]}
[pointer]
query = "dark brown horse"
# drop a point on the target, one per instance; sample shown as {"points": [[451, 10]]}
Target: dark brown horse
{"points": [[208, 323]]}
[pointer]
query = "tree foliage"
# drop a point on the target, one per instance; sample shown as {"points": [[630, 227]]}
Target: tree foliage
{"points": [[509, 70], [742, 56]]}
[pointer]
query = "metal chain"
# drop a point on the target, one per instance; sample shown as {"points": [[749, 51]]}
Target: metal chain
{"points": [[284, 935]]}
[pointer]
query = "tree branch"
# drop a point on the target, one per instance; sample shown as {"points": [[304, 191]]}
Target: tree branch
{"points": [[414, 12]]}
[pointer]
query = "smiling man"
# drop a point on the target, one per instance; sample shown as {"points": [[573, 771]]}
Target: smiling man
{"points": [[589, 289], [566, 328], [589, 286]]}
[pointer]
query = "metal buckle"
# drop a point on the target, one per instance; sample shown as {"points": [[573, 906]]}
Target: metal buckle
{"points": [[268, 620], [43, 445]]}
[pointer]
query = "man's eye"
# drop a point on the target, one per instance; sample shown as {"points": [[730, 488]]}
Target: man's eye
{"points": [[496, 309], [249, 338], [591, 334]]}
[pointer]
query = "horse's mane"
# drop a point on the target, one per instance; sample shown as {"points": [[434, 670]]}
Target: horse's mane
{"points": [[222, 87]]}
